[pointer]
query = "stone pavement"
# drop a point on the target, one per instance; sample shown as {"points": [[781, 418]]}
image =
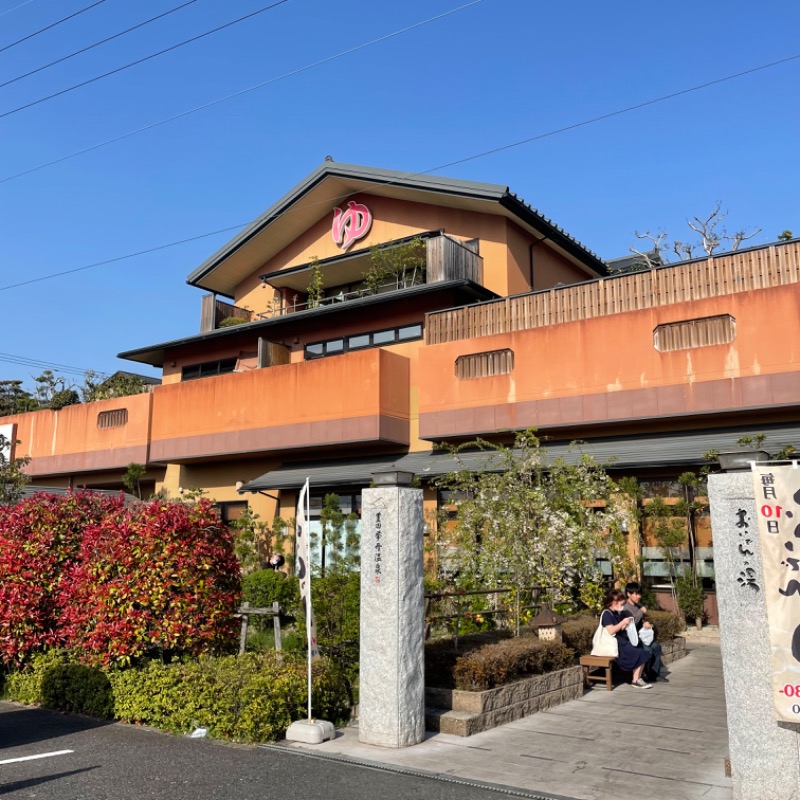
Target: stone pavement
{"points": [[670, 741]]}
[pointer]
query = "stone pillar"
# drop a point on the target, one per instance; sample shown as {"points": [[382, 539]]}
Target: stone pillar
{"points": [[392, 667], [763, 751]]}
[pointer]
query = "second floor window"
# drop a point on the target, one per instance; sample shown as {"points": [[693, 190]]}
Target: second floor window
{"points": [[361, 341], [207, 369]]}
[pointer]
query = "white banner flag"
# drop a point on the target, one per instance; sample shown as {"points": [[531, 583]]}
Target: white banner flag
{"points": [[777, 493], [303, 552]]}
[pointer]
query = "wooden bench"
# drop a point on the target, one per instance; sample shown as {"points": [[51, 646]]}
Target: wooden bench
{"points": [[597, 668]]}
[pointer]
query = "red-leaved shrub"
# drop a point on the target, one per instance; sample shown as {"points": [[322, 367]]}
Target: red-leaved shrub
{"points": [[115, 583]]}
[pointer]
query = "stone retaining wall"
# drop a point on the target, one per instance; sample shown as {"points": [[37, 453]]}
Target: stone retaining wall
{"points": [[464, 713]]}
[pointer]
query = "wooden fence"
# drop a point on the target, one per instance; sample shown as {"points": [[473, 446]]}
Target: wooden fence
{"points": [[755, 268]]}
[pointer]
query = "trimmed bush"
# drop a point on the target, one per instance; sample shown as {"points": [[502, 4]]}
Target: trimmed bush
{"points": [[511, 660], [263, 587], [247, 698], [441, 655], [77, 689]]}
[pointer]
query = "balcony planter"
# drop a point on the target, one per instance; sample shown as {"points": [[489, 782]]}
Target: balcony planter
{"points": [[739, 460]]}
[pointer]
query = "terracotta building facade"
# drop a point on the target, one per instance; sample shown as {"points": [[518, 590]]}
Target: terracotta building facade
{"points": [[369, 316]]}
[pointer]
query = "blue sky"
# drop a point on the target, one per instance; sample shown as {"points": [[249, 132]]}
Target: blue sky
{"points": [[496, 72]]}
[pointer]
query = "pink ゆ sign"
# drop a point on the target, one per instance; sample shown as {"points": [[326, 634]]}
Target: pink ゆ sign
{"points": [[351, 225]]}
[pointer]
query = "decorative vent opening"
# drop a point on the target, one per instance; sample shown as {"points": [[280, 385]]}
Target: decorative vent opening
{"points": [[484, 365], [112, 419], [694, 333]]}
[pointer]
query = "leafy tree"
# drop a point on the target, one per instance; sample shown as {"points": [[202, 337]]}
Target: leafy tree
{"points": [[14, 399], [255, 541], [526, 522], [121, 384], [55, 393], [132, 477], [12, 478], [395, 262], [316, 285]]}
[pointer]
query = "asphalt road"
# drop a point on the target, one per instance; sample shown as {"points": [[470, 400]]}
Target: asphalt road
{"points": [[111, 761]]}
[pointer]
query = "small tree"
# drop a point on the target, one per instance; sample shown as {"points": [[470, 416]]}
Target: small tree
{"points": [[132, 477], [398, 261], [316, 284], [526, 522], [13, 479]]}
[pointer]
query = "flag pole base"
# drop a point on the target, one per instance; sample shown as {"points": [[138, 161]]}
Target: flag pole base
{"points": [[310, 731]]}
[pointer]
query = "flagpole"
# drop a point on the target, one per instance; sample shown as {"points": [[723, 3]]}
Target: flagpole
{"points": [[310, 731], [306, 527]]}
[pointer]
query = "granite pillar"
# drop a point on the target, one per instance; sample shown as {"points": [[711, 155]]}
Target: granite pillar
{"points": [[392, 665], [765, 753]]}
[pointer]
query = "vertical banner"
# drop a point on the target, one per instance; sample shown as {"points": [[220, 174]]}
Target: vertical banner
{"points": [[777, 495], [303, 550]]}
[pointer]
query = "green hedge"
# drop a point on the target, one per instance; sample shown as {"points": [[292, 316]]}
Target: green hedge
{"points": [[248, 698], [485, 660], [503, 662]]}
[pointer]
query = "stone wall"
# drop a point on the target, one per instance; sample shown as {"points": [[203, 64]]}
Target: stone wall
{"points": [[464, 713]]}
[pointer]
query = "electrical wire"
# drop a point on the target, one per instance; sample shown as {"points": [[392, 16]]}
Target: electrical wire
{"points": [[96, 44], [122, 258], [219, 100], [51, 25], [464, 160], [24, 361], [141, 60]]}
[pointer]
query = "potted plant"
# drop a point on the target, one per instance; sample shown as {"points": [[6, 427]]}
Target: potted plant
{"points": [[691, 598], [750, 449]]}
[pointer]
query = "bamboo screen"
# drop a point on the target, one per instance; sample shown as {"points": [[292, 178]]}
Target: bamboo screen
{"points": [[484, 365], [694, 333], [761, 268]]}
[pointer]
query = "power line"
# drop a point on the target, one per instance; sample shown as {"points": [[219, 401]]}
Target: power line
{"points": [[51, 25], [96, 44], [473, 157], [122, 258], [24, 361], [142, 60], [219, 100]]}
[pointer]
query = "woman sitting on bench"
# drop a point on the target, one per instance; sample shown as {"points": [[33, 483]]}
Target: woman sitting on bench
{"points": [[630, 658]]}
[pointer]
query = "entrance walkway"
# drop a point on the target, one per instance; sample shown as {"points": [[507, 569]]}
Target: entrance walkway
{"points": [[669, 741]]}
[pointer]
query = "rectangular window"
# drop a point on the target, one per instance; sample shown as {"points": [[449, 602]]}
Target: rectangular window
{"points": [[409, 332], [692, 333], [231, 511], [384, 337], [485, 365], [208, 369], [334, 346], [315, 350], [362, 340], [112, 419]]}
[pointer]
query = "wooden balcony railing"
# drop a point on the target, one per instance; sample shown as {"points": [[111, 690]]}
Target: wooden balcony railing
{"points": [[754, 268], [213, 311]]}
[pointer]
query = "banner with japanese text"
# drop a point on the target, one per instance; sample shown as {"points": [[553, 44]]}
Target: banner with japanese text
{"points": [[777, 496]]}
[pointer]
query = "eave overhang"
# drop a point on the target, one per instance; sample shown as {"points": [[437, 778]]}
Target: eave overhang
{"points": [[462, 292]]}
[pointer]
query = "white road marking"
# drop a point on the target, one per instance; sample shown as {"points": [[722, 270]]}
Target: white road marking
{"points": [[40, 755]]}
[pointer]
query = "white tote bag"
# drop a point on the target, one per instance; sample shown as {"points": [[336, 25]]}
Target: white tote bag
{"points": [[603, 643]]}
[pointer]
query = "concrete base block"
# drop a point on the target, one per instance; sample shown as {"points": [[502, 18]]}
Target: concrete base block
{"points": [[310, 731]]}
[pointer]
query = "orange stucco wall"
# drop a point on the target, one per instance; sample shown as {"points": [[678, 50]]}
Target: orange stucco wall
{"points": [[364, 383], [615, 353], [72, 431]]}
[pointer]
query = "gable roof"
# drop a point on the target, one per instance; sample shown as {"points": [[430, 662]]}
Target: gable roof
{"points": [[331, 183]]}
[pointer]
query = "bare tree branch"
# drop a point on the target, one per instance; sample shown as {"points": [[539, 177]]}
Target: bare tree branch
{"points": [[742, 236]]}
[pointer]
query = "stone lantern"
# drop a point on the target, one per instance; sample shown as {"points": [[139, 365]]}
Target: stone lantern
{"points": [[548, 625]]}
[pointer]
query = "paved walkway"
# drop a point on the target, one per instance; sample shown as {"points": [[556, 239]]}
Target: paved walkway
{"points": [[669, 741]]}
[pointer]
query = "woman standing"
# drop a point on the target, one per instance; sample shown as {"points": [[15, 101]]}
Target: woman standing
{"points": [[630, 658]]}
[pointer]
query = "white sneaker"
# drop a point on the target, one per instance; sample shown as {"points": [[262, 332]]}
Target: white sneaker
{"points": [[642, 684]]}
